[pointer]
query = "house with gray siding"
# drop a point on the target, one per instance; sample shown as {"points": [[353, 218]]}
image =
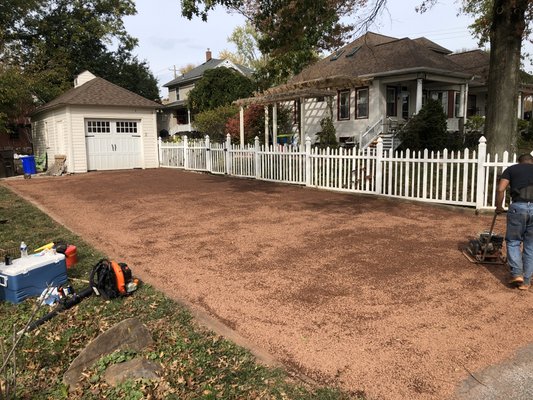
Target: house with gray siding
{"points": [[176, 116]]}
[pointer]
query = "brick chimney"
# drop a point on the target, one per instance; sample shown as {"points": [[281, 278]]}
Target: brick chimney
{"points": [[208, 55]]}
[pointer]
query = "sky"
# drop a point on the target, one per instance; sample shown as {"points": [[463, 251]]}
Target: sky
{"points": [[168, 40]]}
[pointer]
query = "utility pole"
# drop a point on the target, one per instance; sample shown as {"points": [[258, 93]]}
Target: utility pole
{"points": [[175, 71]]}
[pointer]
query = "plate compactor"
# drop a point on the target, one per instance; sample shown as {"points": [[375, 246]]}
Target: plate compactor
{"points": [[486, 248]]}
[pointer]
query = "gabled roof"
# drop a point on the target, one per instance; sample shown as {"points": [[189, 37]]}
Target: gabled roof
{"points": [[198, 72], [373, 55], [98, 92]]}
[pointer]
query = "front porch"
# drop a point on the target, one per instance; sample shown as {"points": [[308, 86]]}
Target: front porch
{"points": [[175, 118], [364, 108]]}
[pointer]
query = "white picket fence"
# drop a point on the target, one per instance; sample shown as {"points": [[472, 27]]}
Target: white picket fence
{"points": [[465, 178]]}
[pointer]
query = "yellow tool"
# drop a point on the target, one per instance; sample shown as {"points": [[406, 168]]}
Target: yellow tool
{"points": [[47, 246]]}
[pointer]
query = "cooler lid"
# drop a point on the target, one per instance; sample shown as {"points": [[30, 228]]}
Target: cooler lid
{"points": [[33, 261]]}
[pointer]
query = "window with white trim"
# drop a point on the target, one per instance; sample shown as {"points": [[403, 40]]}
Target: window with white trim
{"points": [[98, 127], [126, 127]]}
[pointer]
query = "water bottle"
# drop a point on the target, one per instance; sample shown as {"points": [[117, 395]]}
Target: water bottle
{"points": [[23, 250]]}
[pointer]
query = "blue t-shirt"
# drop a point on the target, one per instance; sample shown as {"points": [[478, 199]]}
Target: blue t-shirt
{"points": [[520, 176]]}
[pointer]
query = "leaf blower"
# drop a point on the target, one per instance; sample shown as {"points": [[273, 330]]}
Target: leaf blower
{"points": [[108, 279]]}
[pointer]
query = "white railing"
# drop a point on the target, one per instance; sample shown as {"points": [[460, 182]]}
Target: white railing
{"points": [[465, 178], [370, 135]]}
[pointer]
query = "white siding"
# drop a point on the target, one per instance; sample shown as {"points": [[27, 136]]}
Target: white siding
{"points": [[149, 138], [71, 120], [45, 133]]}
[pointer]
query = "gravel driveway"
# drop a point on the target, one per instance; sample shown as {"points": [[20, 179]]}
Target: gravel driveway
{"points": [[357, 291]]}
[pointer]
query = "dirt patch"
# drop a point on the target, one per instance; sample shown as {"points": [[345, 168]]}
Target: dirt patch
{"points": [[357, 291]]}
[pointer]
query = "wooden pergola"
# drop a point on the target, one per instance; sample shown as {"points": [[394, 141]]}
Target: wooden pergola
{"points": [[321, 87]]}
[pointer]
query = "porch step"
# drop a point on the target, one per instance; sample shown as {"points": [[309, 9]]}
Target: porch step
{"points": [[388, 141]]}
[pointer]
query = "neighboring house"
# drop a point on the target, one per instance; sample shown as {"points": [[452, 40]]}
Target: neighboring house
{"points": [[97, 125], [176, 116], [377, 83]]}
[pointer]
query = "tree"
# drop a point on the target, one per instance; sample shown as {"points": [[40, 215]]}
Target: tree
{"points": [[186, 68], [219, 87], [12, 11], [15, 97], [246, 40], [235, 58], [53, 41], [254, 124], [288, 43], [127, 71], [268, 71], [502, 22]]}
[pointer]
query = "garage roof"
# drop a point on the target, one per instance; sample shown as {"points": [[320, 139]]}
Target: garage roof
{"points": [[99, 92]]}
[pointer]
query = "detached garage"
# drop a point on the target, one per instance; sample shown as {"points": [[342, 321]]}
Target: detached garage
{"points": [[97, 125]]}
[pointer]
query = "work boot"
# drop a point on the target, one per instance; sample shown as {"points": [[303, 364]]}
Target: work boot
{"points": [[516, 280], [525, 285]]}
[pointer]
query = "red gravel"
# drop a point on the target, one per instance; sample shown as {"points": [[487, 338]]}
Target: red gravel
{"points": [[362, 292]]}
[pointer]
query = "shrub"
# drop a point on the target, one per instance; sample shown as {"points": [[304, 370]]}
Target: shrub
{"points": [[473, 131], [328, 136], [427, 129], [213, 122], [525, 129]]}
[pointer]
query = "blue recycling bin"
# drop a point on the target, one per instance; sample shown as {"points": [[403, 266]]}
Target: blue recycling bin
{"points": [[28, 164]]}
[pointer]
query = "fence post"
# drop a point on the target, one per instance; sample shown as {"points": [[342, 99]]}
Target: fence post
{"points": [[480, 184], [185, 152], [257, 159], [379, 166], [160, 150], [307, 161], [207, 153], [228, 153]]}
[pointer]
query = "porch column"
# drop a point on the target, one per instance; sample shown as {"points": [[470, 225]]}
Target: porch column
{"points": [[302, 121], [275, 124], [189, 118], [465, 106], [520, 106], [266, 126], [241, 126], [418, 106], [462, 102]]}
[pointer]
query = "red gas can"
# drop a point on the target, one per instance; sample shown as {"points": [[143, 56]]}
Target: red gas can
{"points": [[71, 256]]}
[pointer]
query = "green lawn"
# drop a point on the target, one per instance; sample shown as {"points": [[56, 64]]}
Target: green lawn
{"points": [[197, 364]]}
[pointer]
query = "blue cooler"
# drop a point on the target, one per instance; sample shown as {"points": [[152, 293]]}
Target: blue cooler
{"points": [[29, 276]]}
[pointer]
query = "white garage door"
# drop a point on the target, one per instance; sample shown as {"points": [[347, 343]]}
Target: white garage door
{"points": [[113, 144]]}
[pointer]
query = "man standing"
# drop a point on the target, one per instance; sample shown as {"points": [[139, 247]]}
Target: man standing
{"points": [[519, 219]]}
